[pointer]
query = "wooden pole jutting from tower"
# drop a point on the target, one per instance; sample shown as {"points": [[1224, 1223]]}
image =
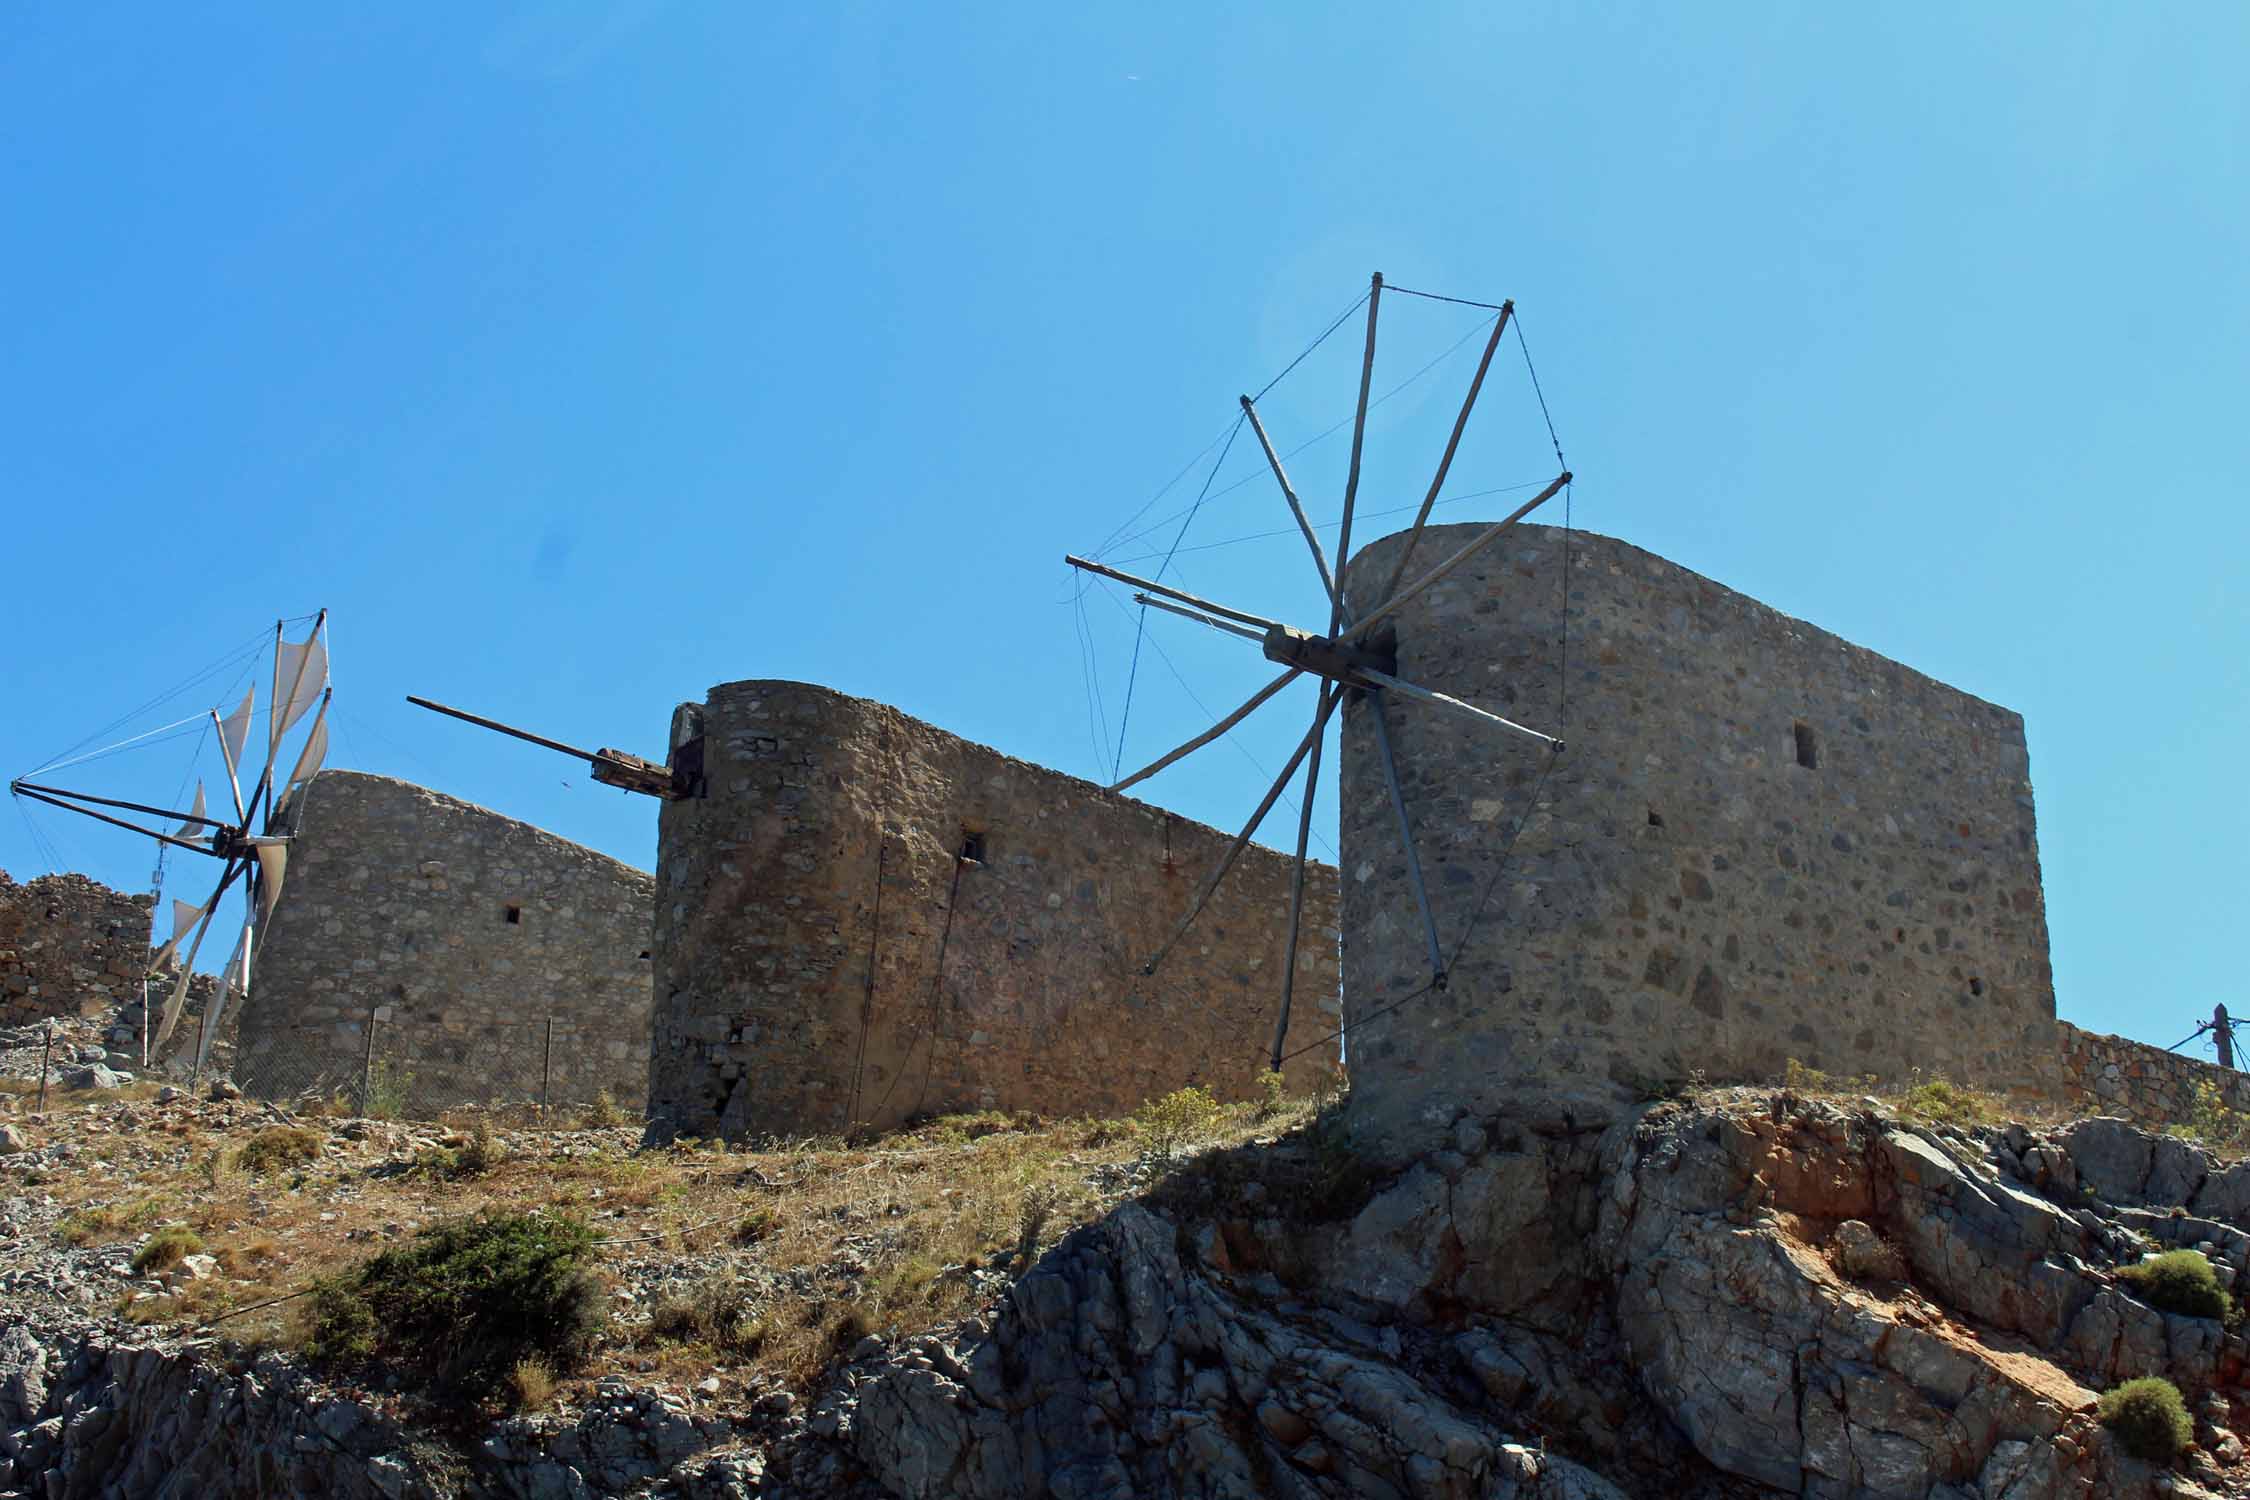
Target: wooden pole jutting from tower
{"points": [[1208, 735], [1330, 693], [1359, 438], [1445, 463], [1296, 508], [1475, 545]]}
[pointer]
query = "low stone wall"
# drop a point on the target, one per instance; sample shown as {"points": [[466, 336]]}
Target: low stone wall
{"points": [[68, 946], [2114, 1075]]}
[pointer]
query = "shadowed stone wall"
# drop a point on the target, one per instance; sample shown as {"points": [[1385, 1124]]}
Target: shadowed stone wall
{"points": [[69, 946], [826, 957], [459, 934], [1763, 842]]}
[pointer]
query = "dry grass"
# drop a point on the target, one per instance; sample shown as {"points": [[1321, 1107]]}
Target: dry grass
{"points": [[801, 1248]]}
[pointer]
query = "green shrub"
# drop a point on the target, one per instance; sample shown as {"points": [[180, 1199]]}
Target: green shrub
{"points": [[2178, 1281], [2149, 1418], [602, 1114], [167, 1248], [463, 1303], [1177, 1118], [277, 1147], [717, 1312], [1273, 1094]]}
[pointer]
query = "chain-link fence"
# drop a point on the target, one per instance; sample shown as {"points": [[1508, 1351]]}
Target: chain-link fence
{"points": [[398, 1067]]}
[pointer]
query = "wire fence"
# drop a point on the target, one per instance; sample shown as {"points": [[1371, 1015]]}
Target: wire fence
{"points": [[398, 1067]]}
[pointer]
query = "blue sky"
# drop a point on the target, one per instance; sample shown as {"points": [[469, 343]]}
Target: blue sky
{"points": [[580, 357]]}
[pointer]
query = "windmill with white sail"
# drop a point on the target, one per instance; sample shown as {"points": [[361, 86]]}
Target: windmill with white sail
{"points": [[251, 847]]}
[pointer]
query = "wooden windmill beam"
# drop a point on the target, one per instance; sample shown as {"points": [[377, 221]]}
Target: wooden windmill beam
{"points": [[1288, 493], [1445, 463], [1329, 696], [1359, 438], [1208, 735], [1476, 544]]}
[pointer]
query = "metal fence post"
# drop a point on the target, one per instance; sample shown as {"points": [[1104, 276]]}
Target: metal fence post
{"points": [[46, 1050], [547, 1069], [367, 1065]]}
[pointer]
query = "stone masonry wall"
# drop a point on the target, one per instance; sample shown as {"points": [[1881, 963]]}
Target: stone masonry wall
{"points": [[2114, 1075], [460, 936], [69, 946], [1762, 843], [827, 959]]}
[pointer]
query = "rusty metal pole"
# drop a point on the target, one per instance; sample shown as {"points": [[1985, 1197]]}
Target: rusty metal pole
{"points": [[2223, 1028], [547, 1070], [46, 1050]]}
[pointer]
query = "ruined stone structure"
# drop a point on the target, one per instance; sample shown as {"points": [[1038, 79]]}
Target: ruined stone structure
{"points": [[69, 946], [468, 941], [862, 918], [1762, 843]]}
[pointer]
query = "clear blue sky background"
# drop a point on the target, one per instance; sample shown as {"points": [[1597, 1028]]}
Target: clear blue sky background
{"points": [[581, 356]]}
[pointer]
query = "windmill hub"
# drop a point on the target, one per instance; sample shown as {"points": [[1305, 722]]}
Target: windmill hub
{"points": [[1325, 656]]}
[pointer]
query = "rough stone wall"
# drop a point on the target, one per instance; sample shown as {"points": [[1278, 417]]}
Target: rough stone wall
{"points": [[2115, 1075], [1687, 894], [459, 935], [69, 946], [826, 958]]}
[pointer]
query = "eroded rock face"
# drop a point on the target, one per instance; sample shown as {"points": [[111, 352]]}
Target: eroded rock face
{"points": [[1766, 1296]]}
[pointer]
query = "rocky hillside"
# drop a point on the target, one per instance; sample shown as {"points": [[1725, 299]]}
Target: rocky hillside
{"points": [[1750, 1293]]}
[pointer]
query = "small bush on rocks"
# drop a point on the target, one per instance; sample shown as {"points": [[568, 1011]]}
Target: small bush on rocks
{"points": [[462, 1303], [602, 1113], [166, 1248], [2149, 1418], [531, 1383], [1273, 1094], [716, 1312], [278, 1147], [2179, 1281], [1176, 1119]]}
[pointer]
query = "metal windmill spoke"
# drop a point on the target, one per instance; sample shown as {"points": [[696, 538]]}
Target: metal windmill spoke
{"points": [[1312, 540], [1297, 879], [187, 966], [1329, 694], [1445, 463], [1476, 544], [139, 807], [1447, 700], [1208, 735], [1359, 436]]}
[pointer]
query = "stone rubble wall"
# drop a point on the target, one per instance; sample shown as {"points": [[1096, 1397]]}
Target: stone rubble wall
{"points": [[69, 946], [459, 936], [1687, 894], [2114, 1075], [826, 958]]}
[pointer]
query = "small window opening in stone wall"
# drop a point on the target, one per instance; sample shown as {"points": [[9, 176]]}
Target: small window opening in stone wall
{"points": [[972, 846], [1976, 985], [1655, 818], [1808, 746], [644, 953], [512, 915]]}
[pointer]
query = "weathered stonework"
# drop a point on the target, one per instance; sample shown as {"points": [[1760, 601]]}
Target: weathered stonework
{"points": [[69, 946], [2114, 1075], [827, 957], [460, 935], [1762, 843]]}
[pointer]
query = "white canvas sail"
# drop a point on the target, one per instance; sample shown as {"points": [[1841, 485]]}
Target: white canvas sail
{"points": [[184, 916], [234, 729], [310, 759], [273, 867], [192, 829], [301, 667], [237, 978]]}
